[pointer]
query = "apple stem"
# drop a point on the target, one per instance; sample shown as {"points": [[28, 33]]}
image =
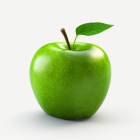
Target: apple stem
{"points": [[66, 38]]}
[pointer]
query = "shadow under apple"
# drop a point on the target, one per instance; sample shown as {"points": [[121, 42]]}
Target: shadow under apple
{"points": [[39, 120]]}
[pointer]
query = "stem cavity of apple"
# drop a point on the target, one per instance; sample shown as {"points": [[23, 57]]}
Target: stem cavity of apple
{"points": [[66, 38]]}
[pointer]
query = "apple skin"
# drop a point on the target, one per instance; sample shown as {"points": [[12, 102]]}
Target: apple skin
{"points": [[70, 84]]}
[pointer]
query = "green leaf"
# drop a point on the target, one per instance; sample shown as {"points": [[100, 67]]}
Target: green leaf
{"points": [[92, 28]]}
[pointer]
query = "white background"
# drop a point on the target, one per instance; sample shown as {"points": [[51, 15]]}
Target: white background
{"points": [[26, 25]]}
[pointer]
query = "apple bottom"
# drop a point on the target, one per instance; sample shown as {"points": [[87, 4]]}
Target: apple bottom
{"points": [[69, 113]]}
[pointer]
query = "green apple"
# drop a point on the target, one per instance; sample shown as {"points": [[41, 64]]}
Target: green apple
{"points": [[70, 84]]}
